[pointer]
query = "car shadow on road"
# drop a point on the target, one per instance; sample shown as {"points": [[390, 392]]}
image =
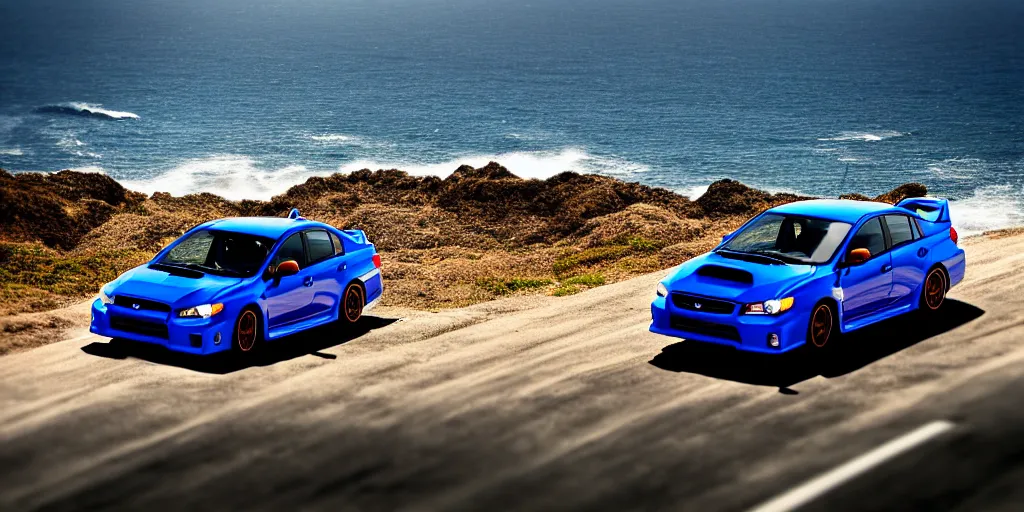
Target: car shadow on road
{"points": [[310, 342], [858, 349]]}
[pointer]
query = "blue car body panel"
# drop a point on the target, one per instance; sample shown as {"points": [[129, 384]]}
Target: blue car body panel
{"points": [[146, 299], [705, 304]]}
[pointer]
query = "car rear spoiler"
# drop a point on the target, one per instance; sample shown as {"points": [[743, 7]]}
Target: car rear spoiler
{"points": [[933, 210]]}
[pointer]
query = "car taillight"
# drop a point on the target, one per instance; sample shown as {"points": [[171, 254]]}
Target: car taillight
{"points": [[953, 236], [376, 261]]}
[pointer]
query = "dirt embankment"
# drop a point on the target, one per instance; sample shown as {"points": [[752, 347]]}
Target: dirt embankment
{"points": [[476, 235]]}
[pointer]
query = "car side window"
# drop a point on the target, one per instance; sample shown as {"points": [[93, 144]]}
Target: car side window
{"points": [[291, 249], [869, 237], [318, 242], [900, 230], [338, 247]]}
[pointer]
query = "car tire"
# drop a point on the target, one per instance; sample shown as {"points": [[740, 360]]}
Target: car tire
{"points": [[933, 291], [246, 337], [822, 328], [352, 303]]}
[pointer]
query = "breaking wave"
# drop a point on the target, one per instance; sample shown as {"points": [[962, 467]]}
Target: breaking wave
{"points": [[11, 152], [239, 177], [988, 208], [85, 109], [863, 136]]}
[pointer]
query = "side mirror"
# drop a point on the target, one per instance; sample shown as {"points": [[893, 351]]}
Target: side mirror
{"points": [[286, 268], [857, 256]]}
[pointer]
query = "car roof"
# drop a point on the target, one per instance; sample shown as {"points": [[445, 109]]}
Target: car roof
{"points": [[843, 210], [270, 227]]}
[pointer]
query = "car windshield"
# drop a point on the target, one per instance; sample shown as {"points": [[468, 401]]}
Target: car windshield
{"points": [[220, 252], [788, 239]]}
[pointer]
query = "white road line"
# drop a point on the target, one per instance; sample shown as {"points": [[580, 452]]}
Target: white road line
{"points": [[815, 487]]}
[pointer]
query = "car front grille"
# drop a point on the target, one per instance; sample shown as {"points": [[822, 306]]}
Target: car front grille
{"points": [[141, 304], [136, 326], [695, 303], [723, 331]]}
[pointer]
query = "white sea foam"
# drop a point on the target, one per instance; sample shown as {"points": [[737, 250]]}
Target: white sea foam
{"points": [[93, 169], [230, 176], [863, 136], [241, 177], [11, 152], [70, 144], [540, 164], [334, 138], [988, 208]]}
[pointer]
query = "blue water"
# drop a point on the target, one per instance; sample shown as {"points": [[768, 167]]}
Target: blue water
{"points": [[246, 97]]}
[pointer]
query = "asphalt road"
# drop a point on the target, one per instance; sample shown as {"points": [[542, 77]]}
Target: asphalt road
{"points": [[530, 403]]}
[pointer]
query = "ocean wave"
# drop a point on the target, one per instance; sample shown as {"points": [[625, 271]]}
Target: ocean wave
{"points": [[988, 208], [11, 152], [85, 109], [230, 176], [334, 138], [863, 136], [92, 169], [240, 177]]}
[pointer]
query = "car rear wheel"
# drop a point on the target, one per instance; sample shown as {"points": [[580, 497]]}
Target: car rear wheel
{"points": [[247, 332], [352, 303], [933, 293], [822, 329]]}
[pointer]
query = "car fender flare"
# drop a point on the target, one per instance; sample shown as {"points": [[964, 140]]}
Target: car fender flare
{"points": [[837, 310]]}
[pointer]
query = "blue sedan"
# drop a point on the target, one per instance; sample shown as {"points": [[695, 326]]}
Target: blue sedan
{"points": [[807, 272], [232, 284]]}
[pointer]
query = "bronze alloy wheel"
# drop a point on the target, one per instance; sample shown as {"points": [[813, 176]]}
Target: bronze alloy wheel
{"points": [[821, 325], [245, 331], [353, 303], [935, 289]]}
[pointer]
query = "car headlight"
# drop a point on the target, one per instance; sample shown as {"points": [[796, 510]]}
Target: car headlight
{"points": [[104, 298], [201, 311], [768, 307], [662, 290]]}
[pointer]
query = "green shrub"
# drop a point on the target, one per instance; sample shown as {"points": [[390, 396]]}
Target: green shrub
{"points": [[585, 280], [505, 286], [589, 257]]}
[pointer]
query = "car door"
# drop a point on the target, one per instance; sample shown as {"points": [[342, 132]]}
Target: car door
{"points": [[288, 297], [908, 257], [866, 286], [324, 275]]}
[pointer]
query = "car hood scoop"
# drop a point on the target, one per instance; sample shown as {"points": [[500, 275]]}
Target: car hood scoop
{"points": [[712, 275], [735, 275], [162, 286]]}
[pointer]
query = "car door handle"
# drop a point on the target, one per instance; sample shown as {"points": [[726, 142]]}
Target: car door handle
{"points": [[343, 267], [921, 252], [308, 281], [885, 268]]}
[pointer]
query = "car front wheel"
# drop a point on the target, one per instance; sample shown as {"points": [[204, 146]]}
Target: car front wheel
{"points": [[247, 331], [822, 327]]}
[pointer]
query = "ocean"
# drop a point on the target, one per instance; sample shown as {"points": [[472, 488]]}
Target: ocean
{"points": [[244, 98]]}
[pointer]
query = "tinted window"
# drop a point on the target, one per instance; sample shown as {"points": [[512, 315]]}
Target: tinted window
{"points": [[338, 248], [291, 249], [219, 252], [900, 231], [869, 237], [790, 238], [319, 245]]}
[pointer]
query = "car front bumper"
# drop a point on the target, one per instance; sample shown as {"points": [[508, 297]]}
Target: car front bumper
{"points": [[189, 335], [743, 332]]}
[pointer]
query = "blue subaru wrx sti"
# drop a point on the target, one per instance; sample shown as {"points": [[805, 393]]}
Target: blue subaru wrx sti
{"points": [[235, 283], [806, 272]]}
